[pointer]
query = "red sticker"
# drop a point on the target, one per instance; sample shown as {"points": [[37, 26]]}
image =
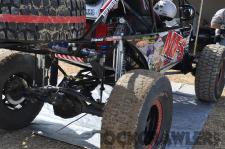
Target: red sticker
{"points": [[174, 46]]}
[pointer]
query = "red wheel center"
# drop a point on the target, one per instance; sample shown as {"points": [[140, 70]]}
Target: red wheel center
{"points": [[153, 126], [220, 80]]}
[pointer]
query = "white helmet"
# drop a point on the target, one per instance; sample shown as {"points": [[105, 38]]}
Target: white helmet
{"points": [[166, 9]]}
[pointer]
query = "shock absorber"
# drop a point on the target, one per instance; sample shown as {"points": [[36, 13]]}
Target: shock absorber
{"points": [[119, 64]]}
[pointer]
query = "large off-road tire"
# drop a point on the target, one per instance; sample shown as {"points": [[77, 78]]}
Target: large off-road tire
{"points": [[139, 112], [41, 31], [17, 72], [209, 79]]}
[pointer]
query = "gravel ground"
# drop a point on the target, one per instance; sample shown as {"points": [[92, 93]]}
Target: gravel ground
{"points": [[25, 139]]}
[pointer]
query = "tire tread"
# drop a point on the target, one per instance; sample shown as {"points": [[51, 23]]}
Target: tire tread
{"points": [[42, 32], [206, 72], [121, 113]]}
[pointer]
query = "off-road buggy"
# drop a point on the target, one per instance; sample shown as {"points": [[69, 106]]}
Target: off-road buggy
{"points": [[121, 43]]}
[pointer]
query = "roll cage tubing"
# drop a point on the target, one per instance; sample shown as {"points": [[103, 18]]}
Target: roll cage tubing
{"points": [[106, 8], [110, 4]]}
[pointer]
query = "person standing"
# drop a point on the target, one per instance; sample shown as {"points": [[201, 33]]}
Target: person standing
{"points": [[218, 23]]}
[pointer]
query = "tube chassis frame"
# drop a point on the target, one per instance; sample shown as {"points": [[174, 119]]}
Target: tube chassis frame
{"points": [[96, 107]]}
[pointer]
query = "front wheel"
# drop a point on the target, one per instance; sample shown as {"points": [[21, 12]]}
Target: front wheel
{"points": [[139, 112], [17, 73], [209, 79]]}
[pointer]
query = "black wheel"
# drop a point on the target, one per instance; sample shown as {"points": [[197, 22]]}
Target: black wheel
{"points": [[17, 73], [139, 112], [209, 80], [27, 31]]}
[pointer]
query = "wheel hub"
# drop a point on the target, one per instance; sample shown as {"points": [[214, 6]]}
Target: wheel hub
{"points": [[13, 91]]}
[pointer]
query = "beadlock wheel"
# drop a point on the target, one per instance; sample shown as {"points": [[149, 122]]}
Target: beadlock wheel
{"points": [[138, 113], [17, 73], [12, 93]]}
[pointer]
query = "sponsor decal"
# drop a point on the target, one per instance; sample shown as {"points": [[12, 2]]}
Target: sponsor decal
{"points": [[152, 47], [174, 47], [90, 12], [162, 50], [108, 6]]}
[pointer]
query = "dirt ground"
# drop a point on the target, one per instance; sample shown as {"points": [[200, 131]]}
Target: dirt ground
{"points": [[212, 135], [70, 69], [25, 139]]}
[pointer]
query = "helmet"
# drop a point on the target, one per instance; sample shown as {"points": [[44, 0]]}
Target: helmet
{"points": [[165, 9]]}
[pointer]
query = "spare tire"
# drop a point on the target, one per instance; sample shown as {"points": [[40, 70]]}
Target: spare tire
{"points": [[41, 20]]}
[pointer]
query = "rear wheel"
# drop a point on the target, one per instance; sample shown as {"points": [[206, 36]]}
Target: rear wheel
{"points": [[17, 73], [138, 113], [209, 80]]}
